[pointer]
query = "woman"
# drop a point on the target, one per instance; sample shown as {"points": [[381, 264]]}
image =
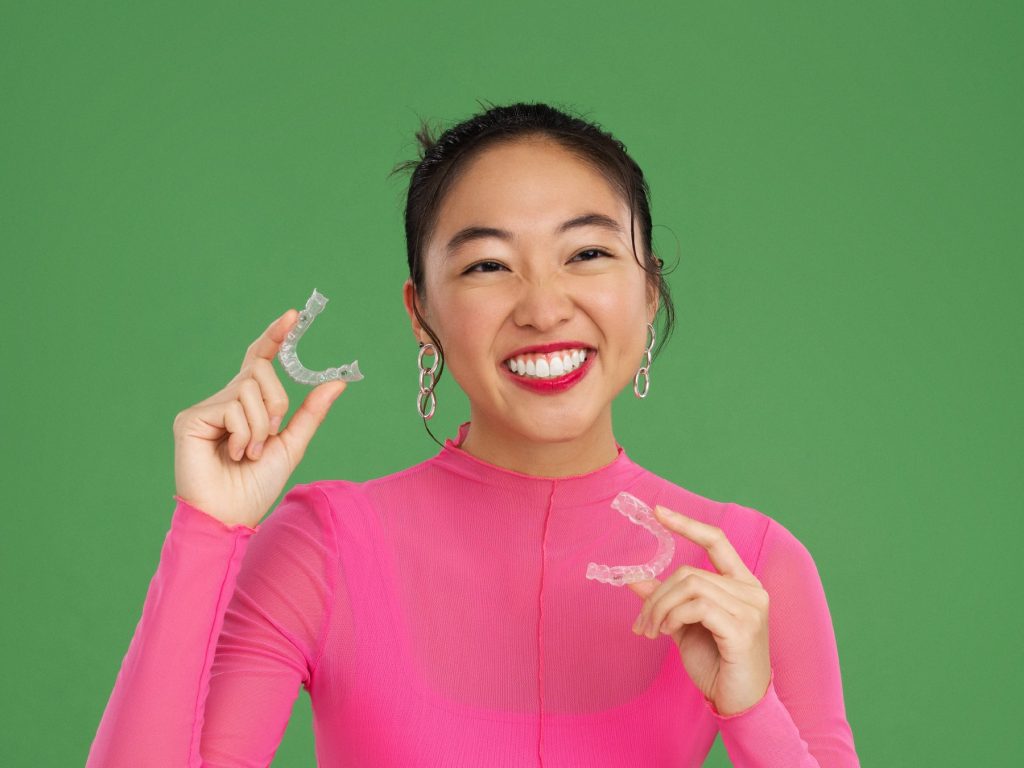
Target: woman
{"points": [[441, 615]]}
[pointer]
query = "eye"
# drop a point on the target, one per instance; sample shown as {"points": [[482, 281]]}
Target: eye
{"points": [[590, 254], [484, 266]]}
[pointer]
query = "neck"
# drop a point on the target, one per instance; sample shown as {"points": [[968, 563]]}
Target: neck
{"points": [[542, 455]]}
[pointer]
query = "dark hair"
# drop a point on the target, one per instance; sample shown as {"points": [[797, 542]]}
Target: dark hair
{"points": [[442, 159]]}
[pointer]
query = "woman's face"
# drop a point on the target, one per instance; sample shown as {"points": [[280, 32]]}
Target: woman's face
{"points": [[514, 271]]}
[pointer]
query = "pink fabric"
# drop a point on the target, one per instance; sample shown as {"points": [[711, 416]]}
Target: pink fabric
{"points": [[440, 616]]}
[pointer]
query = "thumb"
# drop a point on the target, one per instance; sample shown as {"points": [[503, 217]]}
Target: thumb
{"points": [[644, 588], [308, 418]]}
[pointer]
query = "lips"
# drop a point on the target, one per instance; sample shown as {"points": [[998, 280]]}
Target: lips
{"points": [[552, 385]]}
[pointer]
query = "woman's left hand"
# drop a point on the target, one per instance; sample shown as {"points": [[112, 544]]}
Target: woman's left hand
{"points": [[719, 621]]}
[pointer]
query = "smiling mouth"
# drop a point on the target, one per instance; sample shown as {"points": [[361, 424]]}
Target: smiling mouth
{"points": [[550, 365]]}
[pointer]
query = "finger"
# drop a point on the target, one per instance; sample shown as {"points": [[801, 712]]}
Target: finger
{"points": [[652, 591], [748, 592], [274, 396], [308, 418], [720, 550], [237, 426], [692, 588], [660, 590], [700, 610], [219, 422], [269, 342], [251, 398], [643, 588]]}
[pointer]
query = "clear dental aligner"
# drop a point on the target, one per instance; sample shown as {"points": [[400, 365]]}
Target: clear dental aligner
{"points": [[289, 359], [641, 514]]}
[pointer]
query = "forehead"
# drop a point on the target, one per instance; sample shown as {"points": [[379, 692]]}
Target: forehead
{"points": [[527, 185]]}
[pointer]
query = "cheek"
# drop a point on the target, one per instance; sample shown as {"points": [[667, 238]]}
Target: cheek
{"points": [[467, 323], [622, 316]]}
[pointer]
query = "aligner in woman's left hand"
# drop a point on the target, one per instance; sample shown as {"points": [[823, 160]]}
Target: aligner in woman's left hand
{"points": [[719, 621]]}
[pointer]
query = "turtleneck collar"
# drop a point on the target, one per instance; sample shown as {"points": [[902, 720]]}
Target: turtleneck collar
{"points": [[599, 484]]}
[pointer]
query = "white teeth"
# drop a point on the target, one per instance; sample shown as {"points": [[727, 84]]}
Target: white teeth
{"points": [[542, 367]]}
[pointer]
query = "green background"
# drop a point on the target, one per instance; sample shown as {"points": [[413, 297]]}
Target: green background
{"points": [[837, 185]]}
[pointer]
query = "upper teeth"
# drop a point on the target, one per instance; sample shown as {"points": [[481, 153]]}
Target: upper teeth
{"points": [[547, 366]]}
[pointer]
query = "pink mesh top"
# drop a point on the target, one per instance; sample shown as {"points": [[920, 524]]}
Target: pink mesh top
{"points": [[441, 616]]}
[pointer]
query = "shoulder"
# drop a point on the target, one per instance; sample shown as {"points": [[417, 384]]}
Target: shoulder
{"points": [[753, 533], [351, 506], [344, 494], [723, 513]]}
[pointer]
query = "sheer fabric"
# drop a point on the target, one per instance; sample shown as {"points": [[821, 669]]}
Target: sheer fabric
{"points": [[440, 616]]}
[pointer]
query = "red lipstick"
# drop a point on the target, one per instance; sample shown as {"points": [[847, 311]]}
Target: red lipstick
{"points": [[552, 386]]}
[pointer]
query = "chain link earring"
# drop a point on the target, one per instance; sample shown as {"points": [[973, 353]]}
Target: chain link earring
{"points": [[425, 400], [644, 372]]}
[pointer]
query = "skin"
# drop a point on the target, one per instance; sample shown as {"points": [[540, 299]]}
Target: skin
{"points": [[718, 621], [539, 288], [494, 296], [232, 458]]}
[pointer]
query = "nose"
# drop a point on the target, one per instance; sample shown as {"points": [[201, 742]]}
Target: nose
{"points": [[543, 304]]}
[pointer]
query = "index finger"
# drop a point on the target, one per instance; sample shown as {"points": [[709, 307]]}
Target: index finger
{"points": [[270, 341], [721, 551]]}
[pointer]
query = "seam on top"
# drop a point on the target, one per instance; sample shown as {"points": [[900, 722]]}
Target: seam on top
{"points": [[332, 590], [540, 627], [207, 657]]}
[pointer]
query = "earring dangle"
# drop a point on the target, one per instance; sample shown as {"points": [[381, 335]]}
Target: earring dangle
{"points": [[643, 374], [425, 400]]}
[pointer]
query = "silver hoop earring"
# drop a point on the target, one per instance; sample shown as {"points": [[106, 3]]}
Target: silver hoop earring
{"points": [[425, 400], [644, 372]]}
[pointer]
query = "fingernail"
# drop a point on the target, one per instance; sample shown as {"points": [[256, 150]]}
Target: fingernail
{"points": [[257, 450], [274, 424]]}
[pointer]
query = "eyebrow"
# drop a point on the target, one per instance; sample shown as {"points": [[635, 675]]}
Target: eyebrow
{"points": [[468, 234]]}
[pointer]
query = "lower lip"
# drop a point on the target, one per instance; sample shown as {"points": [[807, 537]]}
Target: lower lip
{"points": [[556, 385]]}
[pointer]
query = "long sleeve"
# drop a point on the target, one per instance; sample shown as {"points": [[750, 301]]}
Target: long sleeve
{"points": [[800, 722], [231, 625]]}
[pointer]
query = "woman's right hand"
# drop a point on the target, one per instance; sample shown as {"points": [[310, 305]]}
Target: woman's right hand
{"points": [[230, 459]]}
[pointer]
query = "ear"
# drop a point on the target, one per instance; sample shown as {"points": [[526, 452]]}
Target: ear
{"points": [[409, 297]]}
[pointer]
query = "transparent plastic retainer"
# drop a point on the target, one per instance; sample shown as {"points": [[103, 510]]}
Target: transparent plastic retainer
{"points": [[289, 359], [641, 514]]}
